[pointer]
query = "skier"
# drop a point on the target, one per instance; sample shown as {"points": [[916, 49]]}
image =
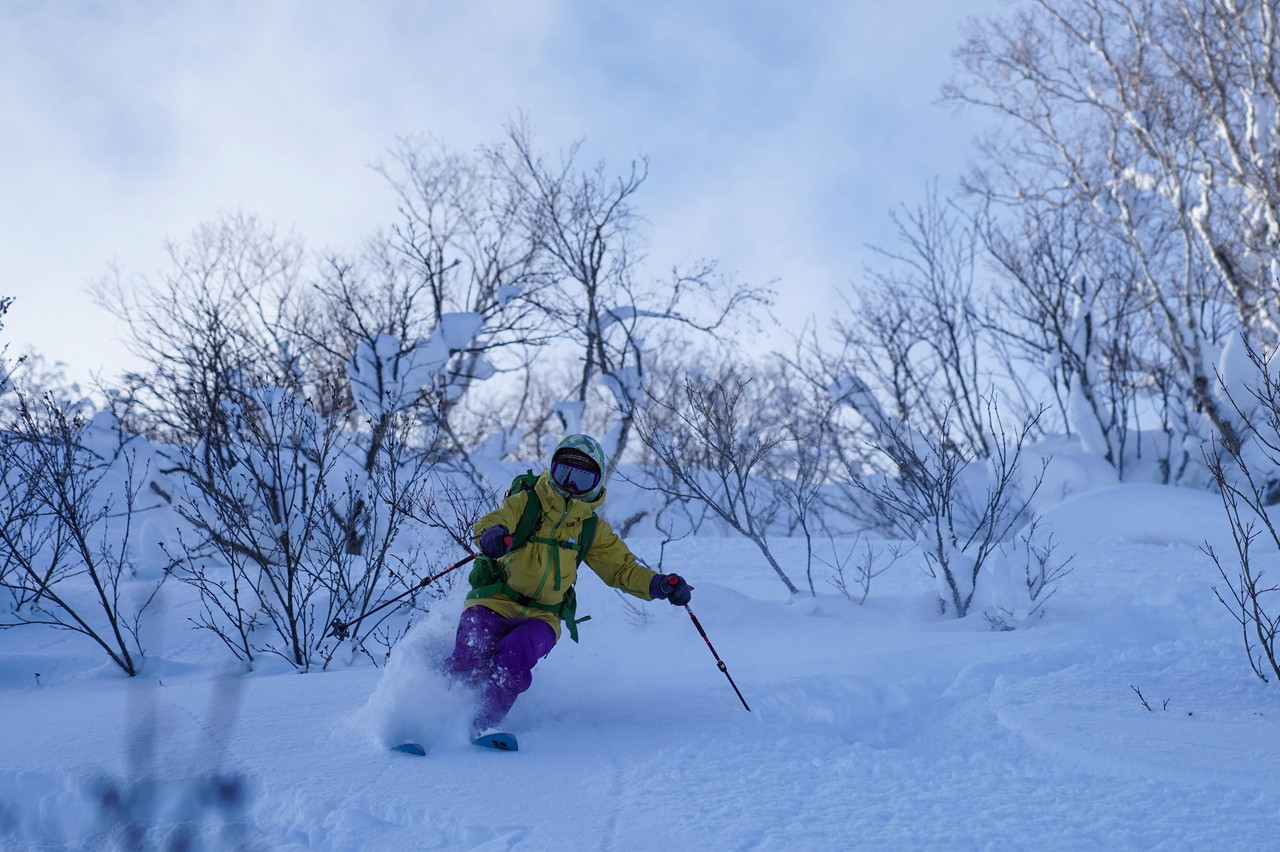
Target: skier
{"points": [[522, 591]]}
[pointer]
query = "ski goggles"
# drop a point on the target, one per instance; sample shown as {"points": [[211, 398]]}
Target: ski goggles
{"points": [[574, 479]]}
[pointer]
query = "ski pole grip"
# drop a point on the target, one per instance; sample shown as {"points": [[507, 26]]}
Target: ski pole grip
{"points": [[508, 540]]}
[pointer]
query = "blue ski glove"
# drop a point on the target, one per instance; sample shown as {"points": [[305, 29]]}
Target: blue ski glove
{"points": [[495, 541], [671, 588]]}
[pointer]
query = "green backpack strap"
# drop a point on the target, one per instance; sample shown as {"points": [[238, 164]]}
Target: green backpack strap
{"points": [[569, 613], [587, 537], [532, 514]]}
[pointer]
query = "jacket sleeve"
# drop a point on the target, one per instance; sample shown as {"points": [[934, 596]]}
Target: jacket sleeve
{"points": [[614, 562], [507, 514]]}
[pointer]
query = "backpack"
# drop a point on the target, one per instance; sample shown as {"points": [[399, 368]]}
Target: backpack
{"points": [[488, 577]]}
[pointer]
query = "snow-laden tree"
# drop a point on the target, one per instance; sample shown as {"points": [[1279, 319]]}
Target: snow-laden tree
{"points": [[392, 378], [1152, 124]]}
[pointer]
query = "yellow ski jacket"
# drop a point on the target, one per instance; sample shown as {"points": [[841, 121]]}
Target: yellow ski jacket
{"points": [[546, 571]]}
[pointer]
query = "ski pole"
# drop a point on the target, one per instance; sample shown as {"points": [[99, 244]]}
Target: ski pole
{"points": [[341, 629], [719, 662]]}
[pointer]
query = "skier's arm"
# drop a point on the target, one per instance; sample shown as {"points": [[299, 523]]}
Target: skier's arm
{"points": [[506, 515], [614, 562]]}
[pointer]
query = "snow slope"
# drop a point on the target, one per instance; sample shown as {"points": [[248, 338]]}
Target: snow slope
{"points": [[882, 726]]}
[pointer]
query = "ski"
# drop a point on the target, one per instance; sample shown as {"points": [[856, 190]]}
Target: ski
{"points": [[411, 748], [499, 740]]}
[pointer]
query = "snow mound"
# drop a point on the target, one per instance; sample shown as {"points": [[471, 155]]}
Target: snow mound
{"points": [[1101, 725], [1150, 514]]}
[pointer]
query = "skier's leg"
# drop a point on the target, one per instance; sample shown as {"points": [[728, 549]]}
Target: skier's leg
{"points": [[518, 652], [480, 630]]}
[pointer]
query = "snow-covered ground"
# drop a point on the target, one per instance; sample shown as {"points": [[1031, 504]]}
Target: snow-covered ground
{"points": [[881, 726]]}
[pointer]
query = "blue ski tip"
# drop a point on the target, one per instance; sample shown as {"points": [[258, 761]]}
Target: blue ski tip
{"points": [[410, 748], [499, 741]]}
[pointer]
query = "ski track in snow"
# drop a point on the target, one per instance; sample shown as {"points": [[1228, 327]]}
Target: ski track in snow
{"points": [[878, 727]]}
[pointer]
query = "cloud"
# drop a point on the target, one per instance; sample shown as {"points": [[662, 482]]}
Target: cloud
{"points": [[779, 136]]}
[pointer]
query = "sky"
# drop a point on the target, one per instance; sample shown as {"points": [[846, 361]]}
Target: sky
{"points": [[780, 135]]}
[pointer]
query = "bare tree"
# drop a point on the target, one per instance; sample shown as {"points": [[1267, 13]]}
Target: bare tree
{"points": [[5, 368], [915, 330], [1071, 317], [448, 507], [720, 451], [463, 240], [676, 515], [587, 226], [381, 499], [259, 501], [6, 371], [215, 322], [1250, 596], [807, 418], [38, 377]]}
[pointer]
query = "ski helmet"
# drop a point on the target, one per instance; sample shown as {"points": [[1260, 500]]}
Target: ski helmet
{"points": [[584, 452]]}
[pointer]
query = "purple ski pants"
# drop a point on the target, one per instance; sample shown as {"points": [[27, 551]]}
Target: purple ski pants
{"points": [[497, 655]]}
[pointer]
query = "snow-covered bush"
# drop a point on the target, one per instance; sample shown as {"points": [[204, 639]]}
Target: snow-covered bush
{"points": [[958, 507], [68, 504], [1246, 474], [299, 532], [1023, 576], [851, 576]]}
